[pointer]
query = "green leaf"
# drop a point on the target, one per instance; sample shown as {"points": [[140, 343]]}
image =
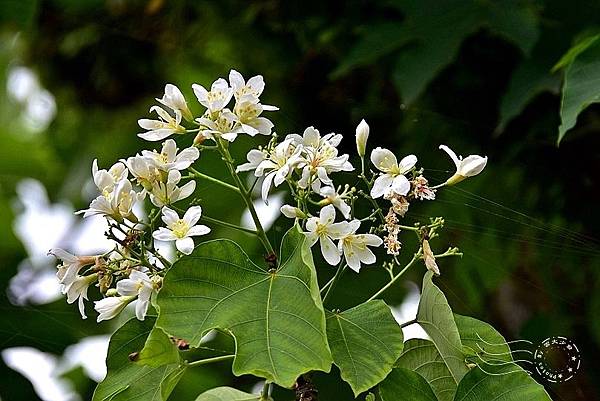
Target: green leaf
{"points": [[158, 350], [127, 380], [480, 337], [581, 86], [436, 318], [276, 317], [365, 342], [227, 394], [574, 51], [507, 383], [423, 357], [405, 385]]}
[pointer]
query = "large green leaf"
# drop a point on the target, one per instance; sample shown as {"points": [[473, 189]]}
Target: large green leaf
{"points": [[483, 340], [158, 350], [405, 385], [275, 316], [581, 86], [500, 383], [365, 342], [127, 380], [436, 318], [227, 394], [422, 357]]}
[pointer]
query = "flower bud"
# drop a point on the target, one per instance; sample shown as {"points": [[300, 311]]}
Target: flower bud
{"points": [[362, 134], [292, 212]]}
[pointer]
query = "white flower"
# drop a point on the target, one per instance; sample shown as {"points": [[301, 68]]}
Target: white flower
{"points": [[77, 290], [167, 193], [467, 167], [159, 129], [221, 124], [254, 157], [248, 116], [336, 199], [181, 230], [324, 230], [362, 134], [140, 285], [243, 90], [143, 170], [168, 159], [319, 157], [118, 205], [392, 177], [292, 212], [173, 99], [219, 96], [71, 265], [106, 180], [110, 307], [277, 166], [429, 258], [355, 247]]}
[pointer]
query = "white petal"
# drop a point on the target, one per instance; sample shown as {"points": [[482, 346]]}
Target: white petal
{"points": [[311, 137], [311, 238], [128, 287], [192, 215], [169, 216], [198, 230], [187, 190], [407, 163], [156, 135], [185, 245], [401, 185], [329, 250], [472, 165], [141, 308], [236, 80], [327, 215], [383, 159], [266, 186], [452, 155], [381, 185], [163, 234]]}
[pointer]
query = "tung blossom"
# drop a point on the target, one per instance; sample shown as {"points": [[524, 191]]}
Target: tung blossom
{"points": [[140, 285], [106, 180], [71, 265], [110, 307], [182, 229], [276, 166], [468, 167], [355, 247], [117, 205], [165, 126], [77, 290], [173, 99], [169, 159], [391, 178], [325, 230], [336, 199], [246, 91], [166, 193], [217, 98]]}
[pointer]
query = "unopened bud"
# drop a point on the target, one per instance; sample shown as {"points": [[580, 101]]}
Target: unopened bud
{"points": [[112, 292], [362, 134], [292, 212]]}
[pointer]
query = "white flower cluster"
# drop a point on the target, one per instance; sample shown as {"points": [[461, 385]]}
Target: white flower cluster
{"points": [[134, 269]]}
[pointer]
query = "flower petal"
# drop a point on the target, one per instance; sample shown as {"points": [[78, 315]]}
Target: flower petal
{"points": [[401, 185], [185, 245], [192, 215], [407, 163], [452, 155], [381, 185], [383, 159], [329, 250], [198, 230]]}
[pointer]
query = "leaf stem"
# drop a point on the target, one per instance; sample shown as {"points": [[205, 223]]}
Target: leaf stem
{"points": [[210, 360], [409, 323], [415, 257], [340, 270], [197, 174], [260, 232], [264, 394], [226, 224]]}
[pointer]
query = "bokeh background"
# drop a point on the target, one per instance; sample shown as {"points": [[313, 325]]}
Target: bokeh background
{"points": [[75, 75]]}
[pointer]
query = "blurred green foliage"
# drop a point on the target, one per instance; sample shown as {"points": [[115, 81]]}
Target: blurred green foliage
{"points": [[473, 74]]}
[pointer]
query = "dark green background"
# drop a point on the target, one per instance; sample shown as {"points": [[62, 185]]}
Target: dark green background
{"points": [[528, 225]]}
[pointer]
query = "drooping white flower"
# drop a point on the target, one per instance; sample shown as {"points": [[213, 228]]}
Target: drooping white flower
{"points": [[292, 212], [110, 307], [166, 193], [277, 166], [392, 177], [429, 258], [468, 167], [140, 285], [118, 205], [362, 134], [221, 124], [318, 158], [217, 98], [181, 230], [168, 159], [165, 126], [325, 230], [254, 157], [246, 91], [174, 99], [71, 265], [355, 247], [248, 116], [336, 199], [77, 290], [106, 180]]}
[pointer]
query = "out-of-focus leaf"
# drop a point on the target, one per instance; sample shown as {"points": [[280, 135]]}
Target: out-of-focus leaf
{"points": [[581, 86], [365, 342], [405, 385], [436, 318], [127, 380], [276, 317], [227, 394], [20, 12], [423, 358], [507, 383]]}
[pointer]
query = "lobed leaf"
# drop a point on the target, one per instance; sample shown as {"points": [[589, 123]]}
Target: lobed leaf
{"points": [[405, 385], [227, 394]]}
